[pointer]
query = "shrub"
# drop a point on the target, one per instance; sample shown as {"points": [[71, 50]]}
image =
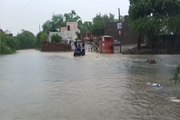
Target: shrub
{"points": [[56, 38], [7, 44]]}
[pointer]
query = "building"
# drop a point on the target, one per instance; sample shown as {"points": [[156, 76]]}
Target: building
{"points": [[127, 35], [68, 33]]}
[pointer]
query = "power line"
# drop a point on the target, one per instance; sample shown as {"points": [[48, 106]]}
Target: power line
{"points": [[21, 9]]}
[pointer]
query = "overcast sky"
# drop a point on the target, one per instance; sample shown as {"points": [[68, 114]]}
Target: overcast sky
{"points": [[16, 15]]}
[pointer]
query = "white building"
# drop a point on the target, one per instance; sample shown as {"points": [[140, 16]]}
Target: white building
{"points": [[67, 33]]}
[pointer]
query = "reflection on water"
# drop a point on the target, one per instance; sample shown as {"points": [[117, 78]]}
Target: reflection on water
{"points": [[57, 86]]}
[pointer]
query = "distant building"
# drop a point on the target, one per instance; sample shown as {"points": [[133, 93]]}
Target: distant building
{"points": [[127, 35], [68, 32]]}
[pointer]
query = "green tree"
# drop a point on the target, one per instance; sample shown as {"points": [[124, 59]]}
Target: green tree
{"points": [[26, 40], [43, 37], [59, 20], [7, 44], [85, 29], [38, 39], [48, 26], [153, 17], [9, 41], [99, 23], [54, 24], [72, 17]]}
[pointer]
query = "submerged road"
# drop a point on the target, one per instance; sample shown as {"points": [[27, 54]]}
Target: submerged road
{"points": [[57, 86]]}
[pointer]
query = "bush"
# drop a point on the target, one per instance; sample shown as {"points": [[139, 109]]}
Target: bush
{"points": [[56, 38], [43, 37], [4, 49]]}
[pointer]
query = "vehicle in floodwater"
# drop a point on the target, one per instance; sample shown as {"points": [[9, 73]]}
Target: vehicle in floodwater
{"points": [[79, 48]]}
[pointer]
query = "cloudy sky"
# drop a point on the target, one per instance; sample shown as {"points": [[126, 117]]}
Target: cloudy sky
{"points": [[16, 15]]}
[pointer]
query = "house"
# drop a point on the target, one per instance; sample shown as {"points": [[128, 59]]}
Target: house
{"points": [[68, 33]]}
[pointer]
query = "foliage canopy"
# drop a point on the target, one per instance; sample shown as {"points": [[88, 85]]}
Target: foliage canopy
{"points": [[7, 44], [26, 40], [152, 18]]}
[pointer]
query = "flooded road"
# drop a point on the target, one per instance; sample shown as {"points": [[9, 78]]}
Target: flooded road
{"points": [[57, 86]]}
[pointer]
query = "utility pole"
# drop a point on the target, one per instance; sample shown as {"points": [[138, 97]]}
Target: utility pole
{"points": [[119, 29], [39, 28]]}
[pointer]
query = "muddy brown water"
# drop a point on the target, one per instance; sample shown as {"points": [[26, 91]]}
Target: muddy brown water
{"points": [[57, 86]]}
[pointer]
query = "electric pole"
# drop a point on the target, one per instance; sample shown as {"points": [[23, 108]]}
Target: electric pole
{"points": [[119, 30]]}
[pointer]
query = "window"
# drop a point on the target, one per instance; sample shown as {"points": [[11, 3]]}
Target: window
{"points": [[68, 28]]}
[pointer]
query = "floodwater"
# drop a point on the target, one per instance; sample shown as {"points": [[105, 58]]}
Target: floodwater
{"points": [[57, 86]]}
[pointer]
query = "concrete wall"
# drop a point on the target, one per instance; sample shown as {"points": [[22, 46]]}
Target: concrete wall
{"points": [[55, 47]]}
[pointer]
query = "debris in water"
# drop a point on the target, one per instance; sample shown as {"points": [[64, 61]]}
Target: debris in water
{"points": [[154, 84], [174, 99], [151, 61]]}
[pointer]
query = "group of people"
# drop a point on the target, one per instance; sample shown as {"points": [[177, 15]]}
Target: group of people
{"points": [[68, 41]]}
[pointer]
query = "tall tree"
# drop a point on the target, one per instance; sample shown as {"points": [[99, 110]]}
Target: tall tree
{"points": [[48, 26], [85, 28], [71, 17], [99, 23], [59, 20], [153, 17], [54, 24]]}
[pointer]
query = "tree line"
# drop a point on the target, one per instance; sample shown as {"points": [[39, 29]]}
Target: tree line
{"points": [[27, 40], [149, 18], [9, 44], [94, 27]]}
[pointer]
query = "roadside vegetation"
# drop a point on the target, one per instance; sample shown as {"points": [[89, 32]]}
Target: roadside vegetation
{"points": [[177, 74], [154, 19], [8, 44], [41, 38]]}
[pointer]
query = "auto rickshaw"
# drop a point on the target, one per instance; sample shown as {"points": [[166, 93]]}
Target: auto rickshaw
{"points": [[79, 48]]}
